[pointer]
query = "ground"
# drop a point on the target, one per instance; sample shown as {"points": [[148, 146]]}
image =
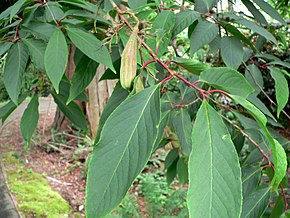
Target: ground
{"points": [[60, 170]]}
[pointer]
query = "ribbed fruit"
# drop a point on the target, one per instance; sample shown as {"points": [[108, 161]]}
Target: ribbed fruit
{"points": [[129, 61]]}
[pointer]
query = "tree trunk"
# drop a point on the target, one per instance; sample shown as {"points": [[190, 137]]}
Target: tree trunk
{"points": [[98, 93]]}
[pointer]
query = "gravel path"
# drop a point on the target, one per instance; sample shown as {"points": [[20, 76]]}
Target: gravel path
{"points": [[8, 207]]}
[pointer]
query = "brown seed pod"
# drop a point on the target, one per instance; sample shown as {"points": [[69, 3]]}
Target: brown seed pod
{"points": [[129, 60]]}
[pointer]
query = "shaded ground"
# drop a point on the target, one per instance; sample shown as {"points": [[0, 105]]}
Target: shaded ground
{"points": [[59, 169]]}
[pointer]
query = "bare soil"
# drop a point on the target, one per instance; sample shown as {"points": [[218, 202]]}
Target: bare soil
{"points": [[59, 169]]}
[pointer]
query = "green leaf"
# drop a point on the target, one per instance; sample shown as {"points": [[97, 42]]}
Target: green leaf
{"points": [[183, 20], [253, 26], [123, 150], [164, 21], [285, 214], [228, 80], [182, 170], [280, 63], [191, 65], [232, 51], [133, 4], [204, 6], [278, 208], [233, 30], [251, 177], [118, 96], [270, 10], [255, 204], [255, 12], [82, 77], [30, 118], [171, 172], [40, 29], [72, 111], [278, 153], [255, 78], [171, 157], [261, 106], [90, 46], [281, 88], [215, 186], [14, 68], [8, 108], [36, 49], [53, 11], [203, 33], [55, 58], [182, 126], [161, 126], [16, 7], [4, 47]]}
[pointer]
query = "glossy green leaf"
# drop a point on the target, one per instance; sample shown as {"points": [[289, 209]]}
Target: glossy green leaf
{"points": [[30, 118], [204, 6], [232, 51], [182, 126], [183, 20], [203, 34], [14, 68], [127, 141], [228, 80], [255, 12], [251, 177], [192, 66], [182, 170], [36, 50], [281, 88], [215, 186], [270, 10], [90, 46], [255, 204], [278, 153], [82, 77], [118, 96], [56, 58]]}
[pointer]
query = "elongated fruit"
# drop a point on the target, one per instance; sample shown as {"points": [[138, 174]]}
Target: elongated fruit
{"points": [[129, 61]]}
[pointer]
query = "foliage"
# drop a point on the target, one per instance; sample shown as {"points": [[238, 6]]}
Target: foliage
{"points": [[220, 131]]}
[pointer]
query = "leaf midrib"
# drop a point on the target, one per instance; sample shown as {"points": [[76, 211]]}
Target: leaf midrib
{"points": [[127, 145], [211, 159]]}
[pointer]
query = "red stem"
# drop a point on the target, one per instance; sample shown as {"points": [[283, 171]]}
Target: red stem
{"points": [[147, 63]]}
